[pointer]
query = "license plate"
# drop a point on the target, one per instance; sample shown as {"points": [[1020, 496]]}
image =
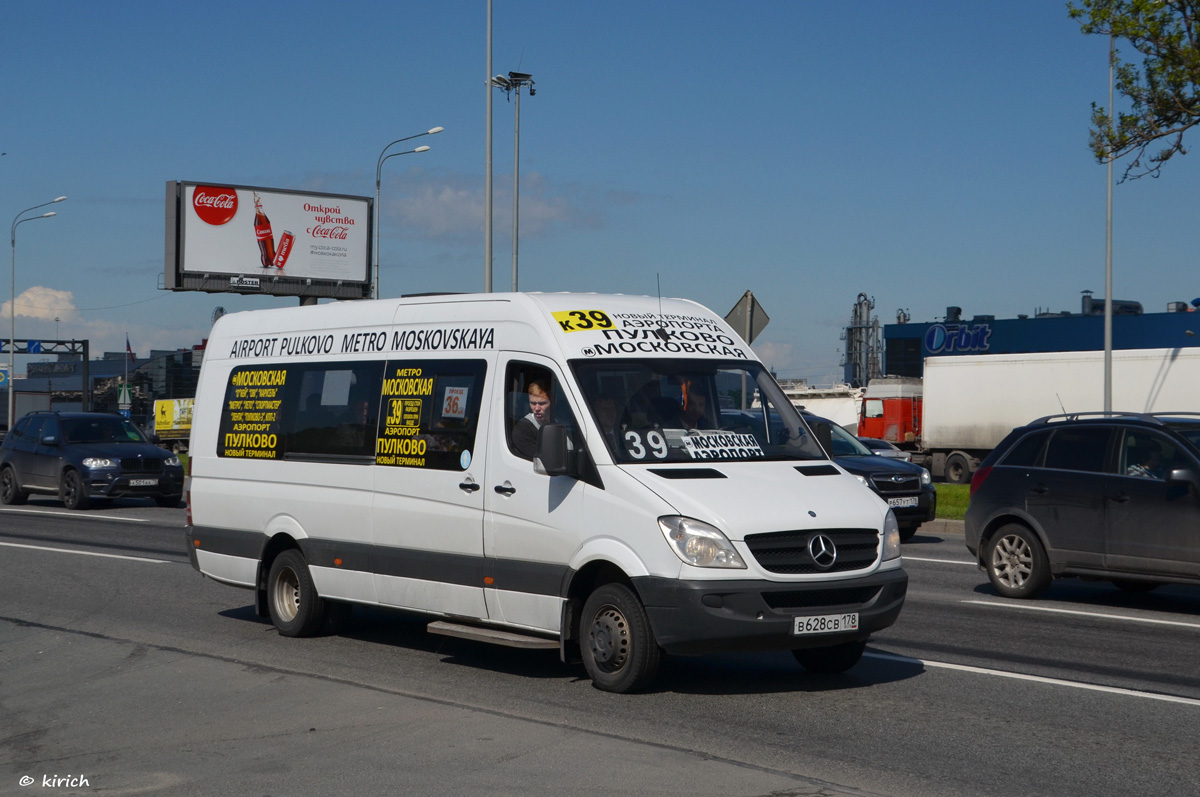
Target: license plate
{"points": [[143, 482], [910, 501], [825, 624]]}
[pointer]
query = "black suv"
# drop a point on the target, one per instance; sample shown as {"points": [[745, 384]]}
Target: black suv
{"points": [[907, 488], [1100, 495], [84, 455]]}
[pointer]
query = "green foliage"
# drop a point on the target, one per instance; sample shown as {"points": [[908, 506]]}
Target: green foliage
{"points": [[952, 500], [1163, 90]]}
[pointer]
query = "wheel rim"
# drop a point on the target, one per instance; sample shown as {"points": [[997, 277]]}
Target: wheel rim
{"points": [[1012, 561], [7, 485], [608, 639], [287, 594], [70, 489]]}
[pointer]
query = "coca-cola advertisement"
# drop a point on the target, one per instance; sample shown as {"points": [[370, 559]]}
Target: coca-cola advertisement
{"points": [[247, 239]]}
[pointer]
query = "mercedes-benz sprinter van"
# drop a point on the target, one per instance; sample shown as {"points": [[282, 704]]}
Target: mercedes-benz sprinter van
{"points": [[616, 477]]}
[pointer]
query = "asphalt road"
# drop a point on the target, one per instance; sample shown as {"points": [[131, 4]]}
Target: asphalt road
{"points": [[122, 666]]}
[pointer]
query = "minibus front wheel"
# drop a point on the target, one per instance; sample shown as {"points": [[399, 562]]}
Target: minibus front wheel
{"points": [[616, 642], [296, 608]]}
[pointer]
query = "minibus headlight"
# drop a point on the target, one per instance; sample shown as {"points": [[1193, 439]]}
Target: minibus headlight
{"points": [[699, 544], [891, 537]]}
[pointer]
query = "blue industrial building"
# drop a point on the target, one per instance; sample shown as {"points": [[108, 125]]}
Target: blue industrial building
{"points": [[906, 345]]}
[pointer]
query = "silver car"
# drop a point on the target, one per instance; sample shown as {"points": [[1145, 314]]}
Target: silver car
{"points": [[885, 449]]}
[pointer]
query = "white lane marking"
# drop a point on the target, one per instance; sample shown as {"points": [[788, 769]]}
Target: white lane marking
{"points": [[939, 561], [1114, 690], [1020, 607], [73, 516], [87, 553]]}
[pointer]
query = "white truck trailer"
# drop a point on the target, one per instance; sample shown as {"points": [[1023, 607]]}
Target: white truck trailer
{"points": [[972, 401]]}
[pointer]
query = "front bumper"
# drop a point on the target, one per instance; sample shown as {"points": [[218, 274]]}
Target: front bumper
{"points": [[695, 617], [923, 512], [107, 486]]}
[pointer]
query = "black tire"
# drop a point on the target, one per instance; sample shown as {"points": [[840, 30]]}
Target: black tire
{"points": [[833, 659], [1016, 562], [1128, 585], [169, 501], [616, 642], [957, 470], [10, 490], [73, 492], [907, 532], [296, 608]]}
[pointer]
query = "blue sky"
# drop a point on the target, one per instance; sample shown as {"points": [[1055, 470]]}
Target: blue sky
{"points": [[926, 154]]}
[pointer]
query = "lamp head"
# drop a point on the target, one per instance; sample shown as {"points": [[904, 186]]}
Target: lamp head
{"points": [[433, 130], [60, 199], [421, 149]]}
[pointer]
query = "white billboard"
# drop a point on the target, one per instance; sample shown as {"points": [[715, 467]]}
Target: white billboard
{"points": [[259, 240]]}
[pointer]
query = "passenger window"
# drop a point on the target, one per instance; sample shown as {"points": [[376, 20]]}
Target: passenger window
{"points": [[1078, 449], [32, 433], [1028, 452], [430, 414], [334, 409]]}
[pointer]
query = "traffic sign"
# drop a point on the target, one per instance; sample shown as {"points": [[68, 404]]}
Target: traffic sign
{"points": [[4, 377], [124, 396], [33, 346], [747, 317]]}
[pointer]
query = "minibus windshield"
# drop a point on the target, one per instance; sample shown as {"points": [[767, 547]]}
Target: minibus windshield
{"points": [[654, 411]]}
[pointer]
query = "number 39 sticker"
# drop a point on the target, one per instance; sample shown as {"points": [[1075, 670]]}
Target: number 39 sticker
{"points": [[579, 320]]}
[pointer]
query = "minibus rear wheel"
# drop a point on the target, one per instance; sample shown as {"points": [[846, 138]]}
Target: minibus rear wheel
{"points": [[296, 608], [616, 643]]}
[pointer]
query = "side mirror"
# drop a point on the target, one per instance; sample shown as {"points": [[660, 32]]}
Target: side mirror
{"points": [[552, 455], [49, 440], [824, 436], [1184, 476]]}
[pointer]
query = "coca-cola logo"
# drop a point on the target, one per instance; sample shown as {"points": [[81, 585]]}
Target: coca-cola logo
{"points": [[215, 205], [323, 231]]}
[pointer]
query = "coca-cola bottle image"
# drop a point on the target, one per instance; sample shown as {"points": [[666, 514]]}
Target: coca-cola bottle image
{"points": [[262, 231]]}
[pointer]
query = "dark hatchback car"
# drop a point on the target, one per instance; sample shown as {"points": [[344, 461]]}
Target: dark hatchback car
{"points": [[907, 488], [81, 456], [1098, 495]]}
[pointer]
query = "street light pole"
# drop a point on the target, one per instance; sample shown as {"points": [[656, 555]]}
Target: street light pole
{"points": [[378, 173], [514, 82], [12, 306], [1108, 282]]}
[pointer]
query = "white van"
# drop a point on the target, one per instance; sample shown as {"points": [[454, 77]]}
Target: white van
{"points": [[391, 453]]}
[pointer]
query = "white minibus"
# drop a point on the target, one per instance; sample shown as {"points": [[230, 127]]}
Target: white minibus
{"points": [[615, 477]]}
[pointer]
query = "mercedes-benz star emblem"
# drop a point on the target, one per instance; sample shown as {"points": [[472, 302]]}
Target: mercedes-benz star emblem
{"points": [[822, 550]]}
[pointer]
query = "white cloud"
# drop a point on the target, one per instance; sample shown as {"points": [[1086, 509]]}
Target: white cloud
{"points": [[43, 303]]}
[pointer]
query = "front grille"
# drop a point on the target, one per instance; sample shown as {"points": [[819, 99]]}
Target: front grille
{"points": [[787, 551], [811, 599], [141, 465], [896, 485]]}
